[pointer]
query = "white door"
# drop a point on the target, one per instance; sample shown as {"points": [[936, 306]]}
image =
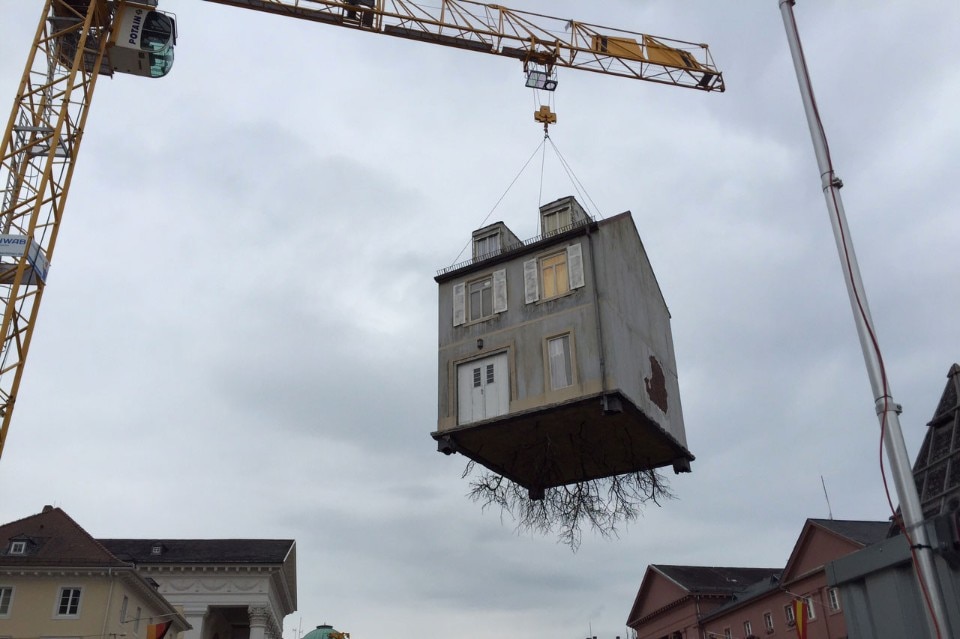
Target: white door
{"points": [[483, 389]]}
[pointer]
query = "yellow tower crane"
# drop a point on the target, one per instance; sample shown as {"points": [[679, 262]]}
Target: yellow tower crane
{"points": [[79, 40]]}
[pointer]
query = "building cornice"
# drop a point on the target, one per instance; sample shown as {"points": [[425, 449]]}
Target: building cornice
{"points": [[676, 604], [509, 253]]}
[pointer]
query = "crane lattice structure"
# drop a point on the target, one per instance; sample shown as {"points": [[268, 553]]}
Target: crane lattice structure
{"points": [[76, 42]]}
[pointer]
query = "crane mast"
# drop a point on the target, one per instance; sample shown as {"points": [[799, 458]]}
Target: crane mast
{"points": [[40, 146], [77, 41]]}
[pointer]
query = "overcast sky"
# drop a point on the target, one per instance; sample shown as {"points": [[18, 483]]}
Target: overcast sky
{"points": [[239, 338]]}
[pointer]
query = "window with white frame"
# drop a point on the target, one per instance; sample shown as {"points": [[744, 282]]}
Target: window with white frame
{"points": [[123, 609], [6, 596], [811, 614], [18, 547], [768, 621], [560, 362], [553, 274], [480, 299], [68, 604], [833, 595], [747, 629], [486, 245], [789, 615], [136, 622], [556, 221], [727, 633]]}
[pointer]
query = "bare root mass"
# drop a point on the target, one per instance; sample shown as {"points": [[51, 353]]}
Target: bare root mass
{"points": [[604, 505]]}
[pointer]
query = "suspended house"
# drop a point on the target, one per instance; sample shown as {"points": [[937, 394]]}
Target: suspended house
{"points": [[556, 361]]}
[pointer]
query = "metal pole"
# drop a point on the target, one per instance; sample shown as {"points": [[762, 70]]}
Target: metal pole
{"points": [[887, 410]]}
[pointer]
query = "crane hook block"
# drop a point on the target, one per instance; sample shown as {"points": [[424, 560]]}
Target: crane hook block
{"points": [[545, 115]]}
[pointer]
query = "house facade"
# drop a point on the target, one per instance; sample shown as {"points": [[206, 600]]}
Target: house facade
{"points": [[226, 588], [556, 359], [57, 581], [687, 602]]}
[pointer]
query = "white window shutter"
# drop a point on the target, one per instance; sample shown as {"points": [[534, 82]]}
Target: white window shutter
{"points": [[531, 281], [459, 303], [500, 291], [575, 266]]}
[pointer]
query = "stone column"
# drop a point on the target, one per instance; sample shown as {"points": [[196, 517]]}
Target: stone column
{"points": [[259, 617], [195, 616]]}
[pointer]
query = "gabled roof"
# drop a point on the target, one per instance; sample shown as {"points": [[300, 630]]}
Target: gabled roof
{"points": [[53, 538], [864, 533], [715, 579], [857, 534], [201, 551], [696, 581]]}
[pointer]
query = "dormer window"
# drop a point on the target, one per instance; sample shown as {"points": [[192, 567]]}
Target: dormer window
{"points": [[554, 221], [156, 549], [486, 245], [18, 548], [561, 215]]}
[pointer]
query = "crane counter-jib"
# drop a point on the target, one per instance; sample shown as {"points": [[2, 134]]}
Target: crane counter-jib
{"points": [[76, 41]]}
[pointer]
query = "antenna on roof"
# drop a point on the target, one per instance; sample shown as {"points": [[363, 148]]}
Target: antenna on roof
{"points": [[826, 496]]}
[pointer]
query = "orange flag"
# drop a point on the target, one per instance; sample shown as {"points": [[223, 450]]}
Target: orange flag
{"points": [[800, 617], [158, 630]]}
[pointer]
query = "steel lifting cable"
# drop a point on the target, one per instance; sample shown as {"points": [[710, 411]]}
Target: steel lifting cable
{"points": [[510, 186], [577, 184]]}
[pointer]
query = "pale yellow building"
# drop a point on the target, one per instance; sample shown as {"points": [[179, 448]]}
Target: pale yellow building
{"points": [[57, 581]]}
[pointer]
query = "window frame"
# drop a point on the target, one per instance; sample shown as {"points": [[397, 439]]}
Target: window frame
{"points": [[18, 548], [534, 289], [560, 215], [747, 628], [789, 615], [6, 603], [478, 241], [833, 597], [768, 621], [561, 258], [72, 605], [570, 367], [486, 286], [461, 294], [811, 613]]}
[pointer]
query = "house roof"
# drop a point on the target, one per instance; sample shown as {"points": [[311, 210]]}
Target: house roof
{"points": [[858, 534], [201, 551], [54, 541], [714, 579], [53, 538], [719, 582], [864, 533]]}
